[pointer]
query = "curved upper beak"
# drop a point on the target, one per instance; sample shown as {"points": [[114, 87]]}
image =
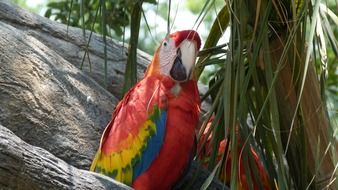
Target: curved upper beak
{"points": [[184, 62]]}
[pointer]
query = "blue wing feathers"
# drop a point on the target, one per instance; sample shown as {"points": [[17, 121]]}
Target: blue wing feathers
{"points": [[154, 143]]}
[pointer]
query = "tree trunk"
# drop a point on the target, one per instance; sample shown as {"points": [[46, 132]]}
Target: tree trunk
{"points": [[310, 124]]}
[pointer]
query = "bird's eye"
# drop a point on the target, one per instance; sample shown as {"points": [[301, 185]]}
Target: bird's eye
{"points": [[165, 43]]}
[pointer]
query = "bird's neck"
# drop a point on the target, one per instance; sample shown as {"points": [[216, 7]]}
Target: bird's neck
{"points": [[176, 89]]}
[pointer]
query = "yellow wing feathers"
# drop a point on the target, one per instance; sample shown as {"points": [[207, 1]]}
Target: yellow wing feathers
{"points": [[119, 165]]}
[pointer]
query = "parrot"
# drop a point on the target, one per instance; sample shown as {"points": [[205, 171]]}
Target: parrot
{"points": [[205, 145], [150, 139]]}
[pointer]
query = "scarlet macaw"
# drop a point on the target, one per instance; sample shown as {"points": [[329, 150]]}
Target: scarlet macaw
{"points": [[205, 146], [148, 142]]}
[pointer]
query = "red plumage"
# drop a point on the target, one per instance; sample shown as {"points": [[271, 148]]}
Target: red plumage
{"points": [[178, 141], [149, 141], [225, 174]]}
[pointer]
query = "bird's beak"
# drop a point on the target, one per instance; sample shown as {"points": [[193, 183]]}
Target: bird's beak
{"points": [[184, 62]]}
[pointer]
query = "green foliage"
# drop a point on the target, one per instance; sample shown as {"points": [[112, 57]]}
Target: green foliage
{"points": [[117, 15], [327, 60], [267, 50], [24, 4], [131, 67]]}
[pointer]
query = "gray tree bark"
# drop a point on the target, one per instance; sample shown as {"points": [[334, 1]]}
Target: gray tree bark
{"points": [[24, 166], [48, 102]]}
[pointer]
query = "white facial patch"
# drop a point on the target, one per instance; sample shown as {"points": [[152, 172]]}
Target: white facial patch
{"points": [[167, 56], [168, 53]]}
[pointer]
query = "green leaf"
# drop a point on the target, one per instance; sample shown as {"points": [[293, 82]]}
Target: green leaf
{"points": [[208, 181], [151, 1], [131, 67], [216, 32], [48, 13]]}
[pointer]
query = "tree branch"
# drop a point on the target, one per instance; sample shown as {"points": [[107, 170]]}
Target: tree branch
{"points": [[24, 166]]}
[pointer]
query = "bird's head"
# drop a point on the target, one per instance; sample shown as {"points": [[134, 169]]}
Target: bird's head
{"points": [[176, 56]]}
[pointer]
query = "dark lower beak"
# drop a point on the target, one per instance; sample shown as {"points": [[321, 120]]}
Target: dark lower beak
{"points": [[178, 71]]}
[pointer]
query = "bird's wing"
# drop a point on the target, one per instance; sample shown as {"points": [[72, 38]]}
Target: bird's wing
{"points": [[134, 136]]}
